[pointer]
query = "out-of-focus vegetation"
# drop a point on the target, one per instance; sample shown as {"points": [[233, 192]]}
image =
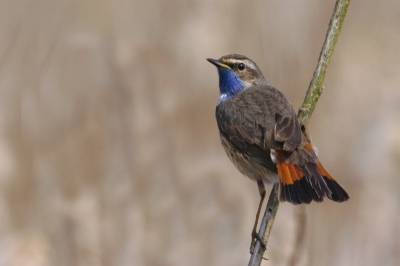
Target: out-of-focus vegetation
{"points": [[109, 150]]}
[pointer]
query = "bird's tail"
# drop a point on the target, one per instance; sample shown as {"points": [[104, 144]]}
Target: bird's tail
{"points": [[304, 179]]}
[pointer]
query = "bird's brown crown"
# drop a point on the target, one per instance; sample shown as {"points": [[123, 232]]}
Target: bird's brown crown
{"points": [[244, 67]]}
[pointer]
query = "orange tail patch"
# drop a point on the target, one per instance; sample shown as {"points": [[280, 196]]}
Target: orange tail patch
{"points": [[322, 171], [288, 173], [320, 168], [305, 183]]}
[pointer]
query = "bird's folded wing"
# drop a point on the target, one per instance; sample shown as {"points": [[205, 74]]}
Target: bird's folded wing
{"points": [[248, 119], [239, 123], [287, 130]]}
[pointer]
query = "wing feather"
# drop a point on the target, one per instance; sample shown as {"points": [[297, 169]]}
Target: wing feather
{"points": [[259, 119], [287, 130]]}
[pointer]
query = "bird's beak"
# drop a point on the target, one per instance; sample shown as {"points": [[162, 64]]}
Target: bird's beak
{"points": [[218, 63]]}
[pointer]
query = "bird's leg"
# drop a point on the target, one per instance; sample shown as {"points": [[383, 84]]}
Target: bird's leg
{"points": [[254, 235]]}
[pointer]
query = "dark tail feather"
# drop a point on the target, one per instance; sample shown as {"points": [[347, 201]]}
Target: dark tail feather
{"points": [[310, 182], [338, 193]]}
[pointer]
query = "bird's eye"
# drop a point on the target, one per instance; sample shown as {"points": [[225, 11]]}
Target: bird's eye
{"points": [[241, 66]]}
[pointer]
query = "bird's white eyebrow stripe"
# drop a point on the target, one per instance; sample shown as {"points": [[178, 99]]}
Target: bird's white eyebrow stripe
{"points": [[247, 62], [250, 64]]}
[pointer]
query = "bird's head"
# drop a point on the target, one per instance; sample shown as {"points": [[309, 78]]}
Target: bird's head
{"points": [[236, 73]]}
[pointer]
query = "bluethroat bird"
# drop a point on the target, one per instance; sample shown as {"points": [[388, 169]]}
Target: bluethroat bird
{"points": [[263, 137]]}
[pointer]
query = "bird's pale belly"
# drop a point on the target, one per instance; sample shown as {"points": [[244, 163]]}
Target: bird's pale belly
{"points": [[248, 166]]}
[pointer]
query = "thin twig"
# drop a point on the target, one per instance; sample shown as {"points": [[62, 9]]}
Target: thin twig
{"points": [[305, 111], [266, 225], [315, 88]]}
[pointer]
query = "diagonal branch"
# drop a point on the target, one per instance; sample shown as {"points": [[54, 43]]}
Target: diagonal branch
{"points": [[305, 111], [315, 88]]}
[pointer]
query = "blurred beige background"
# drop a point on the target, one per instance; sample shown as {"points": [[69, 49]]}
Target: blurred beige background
{"points": [[109, 150]]}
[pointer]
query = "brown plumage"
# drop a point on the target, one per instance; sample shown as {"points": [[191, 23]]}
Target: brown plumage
{"points": [[262, 136]]}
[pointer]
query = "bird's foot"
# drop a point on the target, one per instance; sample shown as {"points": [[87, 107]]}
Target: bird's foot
{"points": [[254, 238]]}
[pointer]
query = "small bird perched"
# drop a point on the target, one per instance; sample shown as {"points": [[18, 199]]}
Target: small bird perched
{"points": [[263, 137]]}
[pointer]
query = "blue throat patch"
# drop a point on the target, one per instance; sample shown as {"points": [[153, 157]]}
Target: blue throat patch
{"points": [[229, 83]]}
